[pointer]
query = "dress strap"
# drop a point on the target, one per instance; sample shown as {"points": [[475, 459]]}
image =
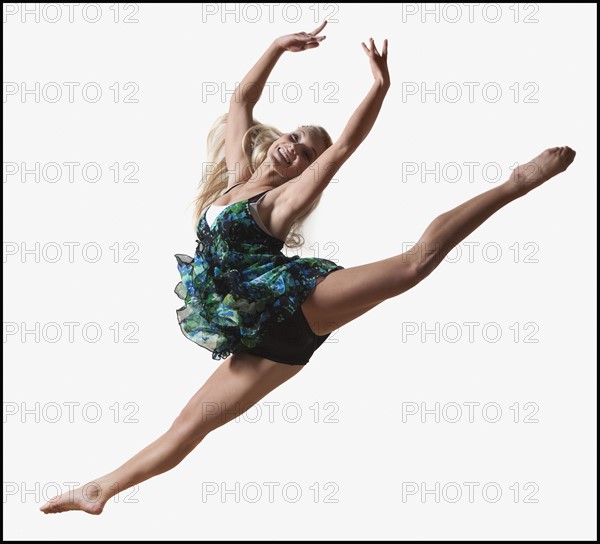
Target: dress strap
{"points": [[259, 196], [240, 183]]}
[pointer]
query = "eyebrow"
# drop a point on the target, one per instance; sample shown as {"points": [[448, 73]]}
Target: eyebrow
{"points": [[313, 149]]}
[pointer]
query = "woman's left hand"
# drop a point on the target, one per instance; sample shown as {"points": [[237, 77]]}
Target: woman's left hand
{"points": [[378, 62], [300, 41]]}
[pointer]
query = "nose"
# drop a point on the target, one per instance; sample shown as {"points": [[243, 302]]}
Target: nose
{"points": [[291, 148]]}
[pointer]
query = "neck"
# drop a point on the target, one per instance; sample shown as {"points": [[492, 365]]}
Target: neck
{"points": [[267, 175]]}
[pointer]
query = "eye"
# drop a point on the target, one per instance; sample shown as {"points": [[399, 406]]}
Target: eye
{"points": [[296, 138]]}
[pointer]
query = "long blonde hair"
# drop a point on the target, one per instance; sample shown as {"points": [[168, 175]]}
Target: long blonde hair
{"points": [[255, 143]]}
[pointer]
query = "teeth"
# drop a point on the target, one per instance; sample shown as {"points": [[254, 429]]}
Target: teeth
{"points": [[285, 157]]}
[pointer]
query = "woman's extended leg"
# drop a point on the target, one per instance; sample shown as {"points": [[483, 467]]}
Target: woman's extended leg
{"points": [[346, 294], [235, 386]]}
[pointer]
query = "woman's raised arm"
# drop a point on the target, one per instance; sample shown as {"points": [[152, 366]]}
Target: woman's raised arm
{"points": [[248, 92], [300, 194], [363, 119]]}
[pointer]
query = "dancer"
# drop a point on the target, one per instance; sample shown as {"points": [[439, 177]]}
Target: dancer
{"points": [[247, 302]]}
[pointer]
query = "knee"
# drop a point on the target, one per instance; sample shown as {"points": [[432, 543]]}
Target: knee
{"points": [[187, 429], [423, 268], [414, 269], [420, 262]]}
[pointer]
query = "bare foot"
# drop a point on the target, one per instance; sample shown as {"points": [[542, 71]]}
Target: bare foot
{"points": [[546, 165], [87, 498]]}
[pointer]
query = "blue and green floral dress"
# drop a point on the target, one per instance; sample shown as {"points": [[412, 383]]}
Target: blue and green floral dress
{"points": [[239, 281]]}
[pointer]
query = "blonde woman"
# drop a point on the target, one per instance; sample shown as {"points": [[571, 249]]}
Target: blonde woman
{"points": [[248, 303]]}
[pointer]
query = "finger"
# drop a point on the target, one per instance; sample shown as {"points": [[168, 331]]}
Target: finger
{"points": [[365, 48], [373, 46], [319, 28], [308, 38], [310, 45], [385, 49], [314, 42]]}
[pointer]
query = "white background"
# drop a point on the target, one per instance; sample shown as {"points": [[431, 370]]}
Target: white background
{"points": [[368, 370]]}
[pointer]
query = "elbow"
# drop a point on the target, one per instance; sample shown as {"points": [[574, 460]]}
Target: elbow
{"points": [[237, 98], [240, 102], [345, 148], [245, 96]]}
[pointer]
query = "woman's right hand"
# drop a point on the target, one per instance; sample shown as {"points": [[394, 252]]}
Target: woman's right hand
{"points": [[300, 41], [378, 62]]}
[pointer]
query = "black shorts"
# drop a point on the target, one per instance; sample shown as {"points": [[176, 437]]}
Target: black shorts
{"points": [[291, 342]]}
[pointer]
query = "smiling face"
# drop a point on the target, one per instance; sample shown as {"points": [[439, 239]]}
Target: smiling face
{"points": [[296, 151]]}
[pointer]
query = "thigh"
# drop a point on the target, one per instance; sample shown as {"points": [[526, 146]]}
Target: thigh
{"points": [[345, 294], [234, 387]]}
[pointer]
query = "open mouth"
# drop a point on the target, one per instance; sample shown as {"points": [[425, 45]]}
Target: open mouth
{"points": [[286, 158]]}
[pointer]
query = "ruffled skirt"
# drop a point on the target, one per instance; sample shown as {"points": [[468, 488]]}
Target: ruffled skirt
{"points": [[227, 312]]}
